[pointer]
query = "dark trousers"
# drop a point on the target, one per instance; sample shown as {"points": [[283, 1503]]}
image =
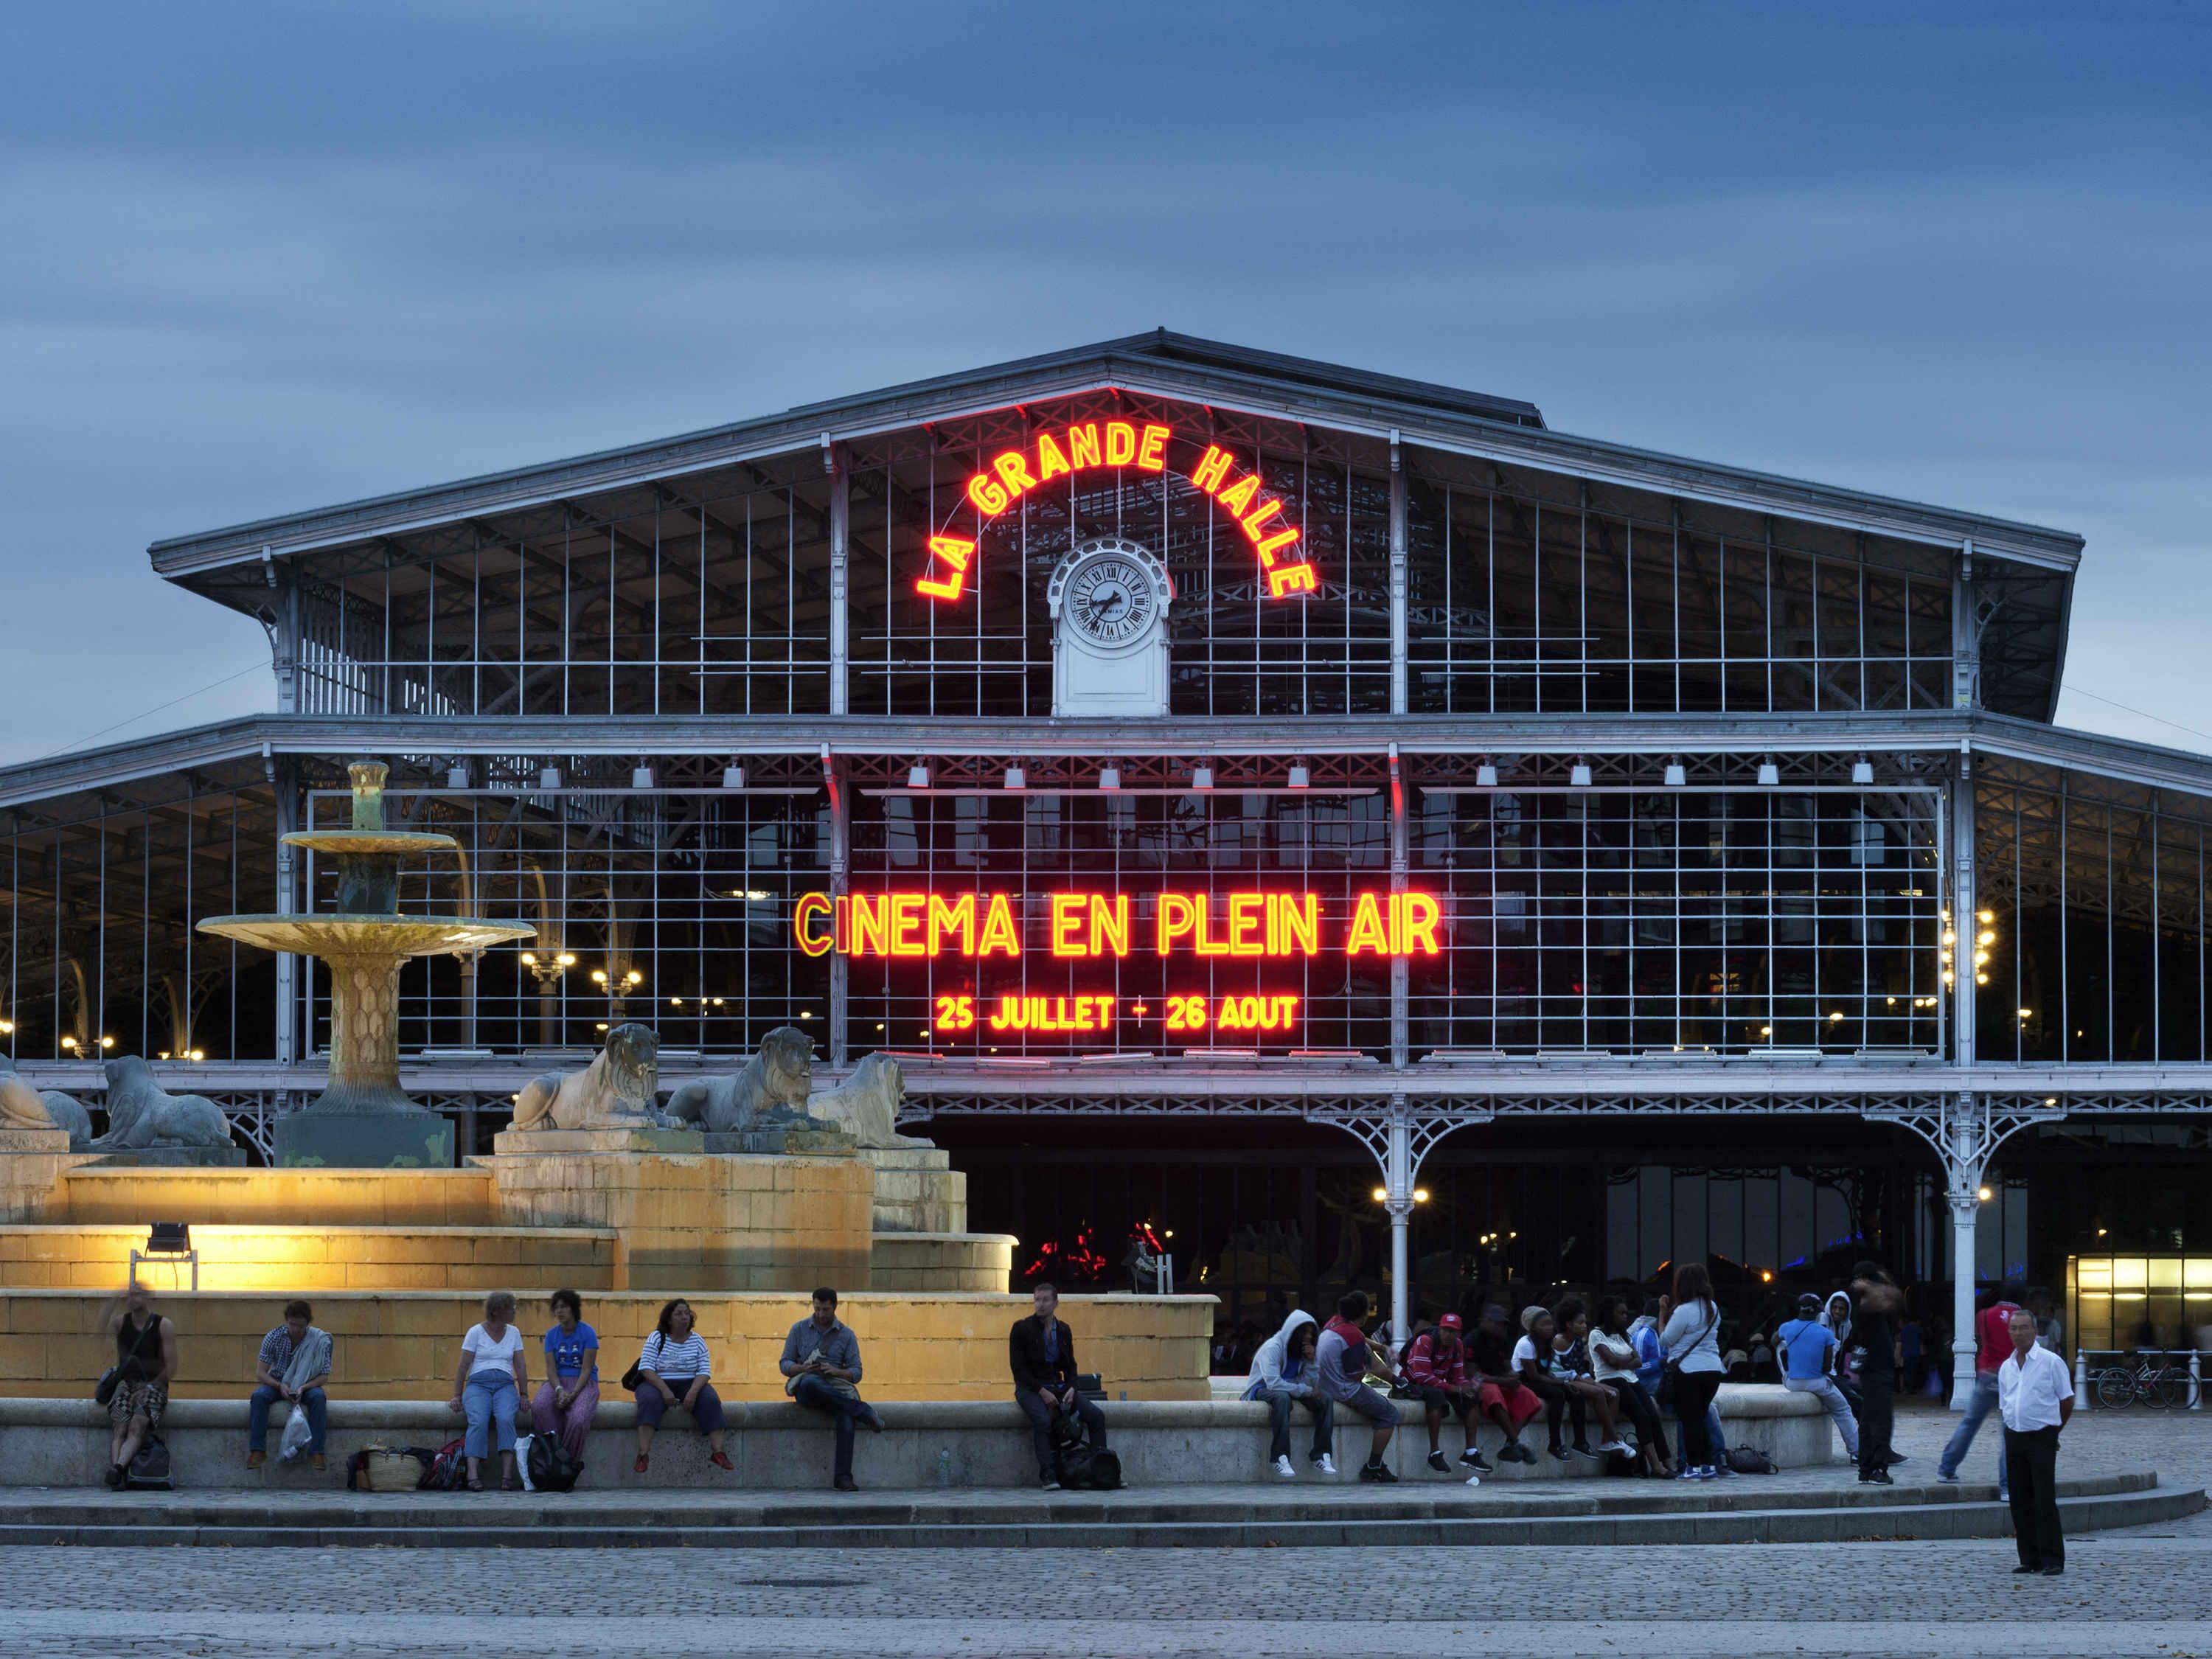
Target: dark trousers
{"points": [[1279, 1418], [1557, 1401], [845, 1410], [1694, 1396], [1040, 1416], [1636, 1407], [2032, 1468], [1875, 1393]]}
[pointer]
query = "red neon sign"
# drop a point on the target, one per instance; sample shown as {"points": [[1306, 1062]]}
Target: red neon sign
{"points": [[1013, 473], [1084, 926]]}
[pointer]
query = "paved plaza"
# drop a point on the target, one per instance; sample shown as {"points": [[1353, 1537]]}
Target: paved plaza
{"points": [[2145, 1591]]}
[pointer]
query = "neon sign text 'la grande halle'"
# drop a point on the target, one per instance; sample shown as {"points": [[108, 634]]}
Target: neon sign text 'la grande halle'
{"points": [[1013, 473]]}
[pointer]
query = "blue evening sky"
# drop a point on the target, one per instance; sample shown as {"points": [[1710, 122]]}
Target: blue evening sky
{"points": [[258, 258]]}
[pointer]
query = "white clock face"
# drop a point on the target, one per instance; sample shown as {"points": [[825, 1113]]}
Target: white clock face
{"points": [[1110, 600]]}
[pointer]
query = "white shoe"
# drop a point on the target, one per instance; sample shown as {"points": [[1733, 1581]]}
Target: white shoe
{"points": [[1325, 1464], [1620, 1446], [1474, 1480], [1283, 1468]]}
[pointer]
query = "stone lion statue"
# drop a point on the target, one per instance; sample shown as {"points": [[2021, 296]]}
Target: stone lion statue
{"points": [[22, 1107], [143, 1116], [769, 1090], [615, 1091], [866, 1106]]}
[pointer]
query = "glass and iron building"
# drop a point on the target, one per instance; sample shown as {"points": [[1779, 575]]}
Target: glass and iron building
{"points": [[1334, 822]]}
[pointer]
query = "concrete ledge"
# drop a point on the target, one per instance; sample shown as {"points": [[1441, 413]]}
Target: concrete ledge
{"points": [[1442, 1512], [779, 1445]]}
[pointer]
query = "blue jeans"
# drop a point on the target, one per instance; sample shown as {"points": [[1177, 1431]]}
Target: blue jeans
{"points": [[1712, 1434], [490, 1400], [845, 1410], [316, 1403], [1839, 1408], [1979, 1404]]}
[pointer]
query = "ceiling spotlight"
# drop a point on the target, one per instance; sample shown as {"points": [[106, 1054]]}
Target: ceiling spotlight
{"points": [[1109, 777], [733, 777], [641, 777], [457, 775], [549, 777], [1861, 771], [1485, 776], [917, 777], [1300, 778], [1201, 777], [1770, 774], [1678, 776], [1015, 779], [1580, 776]]}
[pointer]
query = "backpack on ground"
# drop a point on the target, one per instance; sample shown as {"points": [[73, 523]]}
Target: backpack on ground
{"points": [[444, 1472], [552, 1467], [1749, 1460], [149, 1466], [1077, 1464]]}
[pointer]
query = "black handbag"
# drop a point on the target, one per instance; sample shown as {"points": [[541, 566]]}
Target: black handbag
{"points": [[104, 1390], [632, 1377]]}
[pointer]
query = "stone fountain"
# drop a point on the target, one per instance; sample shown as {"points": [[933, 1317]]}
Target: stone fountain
{"points": [[363, 1119]]}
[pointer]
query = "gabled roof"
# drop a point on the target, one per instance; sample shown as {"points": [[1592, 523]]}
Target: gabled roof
{"points": [[1174, 366]]}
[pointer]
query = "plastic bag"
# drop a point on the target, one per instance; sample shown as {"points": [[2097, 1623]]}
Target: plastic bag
{"points": [[296, 1436], [522, 1460]]}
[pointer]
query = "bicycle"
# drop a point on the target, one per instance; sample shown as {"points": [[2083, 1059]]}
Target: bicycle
{"points": [[2148, 1382]]}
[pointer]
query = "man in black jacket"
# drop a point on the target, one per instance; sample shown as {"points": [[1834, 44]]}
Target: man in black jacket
{"points": [[1040, 1351]]}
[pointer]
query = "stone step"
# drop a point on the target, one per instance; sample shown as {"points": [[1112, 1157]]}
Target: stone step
{"points": [[1073, 1520]]}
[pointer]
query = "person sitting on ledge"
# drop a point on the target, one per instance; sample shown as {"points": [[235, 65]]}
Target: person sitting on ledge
{"points": [[145, 1361], [1435, 1366], [293, 1364], [674, 1371], [1342, 1359], [822, 1360], [1283, 1373], [570, 1393], [489, 1385], [1041, 1351]]}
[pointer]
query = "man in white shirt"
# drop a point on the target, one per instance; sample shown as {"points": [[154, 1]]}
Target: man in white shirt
{"points": [[2035, 1396]]}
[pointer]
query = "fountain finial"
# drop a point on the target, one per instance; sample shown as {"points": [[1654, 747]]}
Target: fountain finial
{"points": [[369, 778]]}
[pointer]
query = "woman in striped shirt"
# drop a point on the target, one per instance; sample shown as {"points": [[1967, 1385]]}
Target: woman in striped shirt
{"points": [[673, 1371]]}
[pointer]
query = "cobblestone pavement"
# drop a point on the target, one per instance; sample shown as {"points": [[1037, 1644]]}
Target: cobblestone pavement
{"points": [[2145, 1591]]}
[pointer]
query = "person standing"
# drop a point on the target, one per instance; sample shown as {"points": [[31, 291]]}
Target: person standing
{"points": [[570, 1393], [1992, 1342], [1041, 1353], [293, 1364], [2035, 1398], [1878, 1305], [1690, 1340], [821, 1365]]}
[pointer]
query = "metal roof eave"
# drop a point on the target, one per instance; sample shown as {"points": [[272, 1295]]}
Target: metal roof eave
{"points": [[267, 735], [1376, 414]]}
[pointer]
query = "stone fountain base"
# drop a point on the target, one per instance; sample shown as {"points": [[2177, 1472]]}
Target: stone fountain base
{"points": [[178, 1158], [342, 1141]]}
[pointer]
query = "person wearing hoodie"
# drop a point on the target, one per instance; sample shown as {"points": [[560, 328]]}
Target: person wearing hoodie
{"points": [[1808, 1348], [1283, 1372], [1342, 1359]]}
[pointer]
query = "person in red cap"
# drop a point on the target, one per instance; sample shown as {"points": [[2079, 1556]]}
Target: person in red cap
{"points": [[1435, 1366]]}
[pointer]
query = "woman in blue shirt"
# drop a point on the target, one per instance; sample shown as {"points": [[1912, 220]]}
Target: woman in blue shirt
{"points": [[564, 1405]]}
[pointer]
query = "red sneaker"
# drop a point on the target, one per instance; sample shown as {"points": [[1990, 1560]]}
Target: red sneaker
{"points": [[721, 1461]]}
